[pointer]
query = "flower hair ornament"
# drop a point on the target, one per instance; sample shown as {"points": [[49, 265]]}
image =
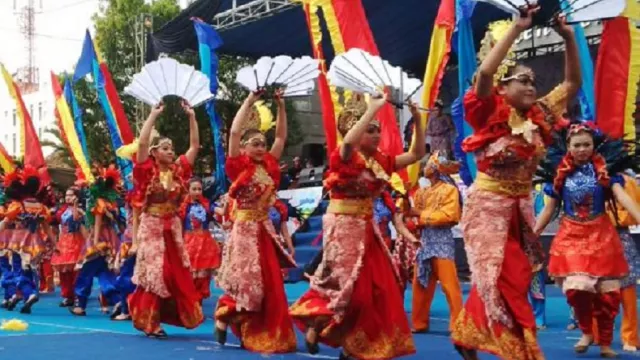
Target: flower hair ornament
{"points": [[586, 126], [497, 31]]}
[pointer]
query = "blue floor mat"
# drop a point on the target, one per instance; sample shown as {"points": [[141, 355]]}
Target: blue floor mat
{"points": [[54, 334]]}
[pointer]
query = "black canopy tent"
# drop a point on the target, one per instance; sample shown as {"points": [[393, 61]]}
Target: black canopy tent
{"points": [[402, 29]]}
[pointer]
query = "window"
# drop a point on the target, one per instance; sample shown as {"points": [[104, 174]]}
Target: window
{"points": [[31, 111], [15, 151], [6, 138], [40, 111], [6, 115], [14, 118], [40, 133]]}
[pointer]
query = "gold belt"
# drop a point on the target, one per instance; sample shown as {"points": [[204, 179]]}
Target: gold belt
{"points": [[251, 215], [506, 187], [162, 209], [363, 207]]}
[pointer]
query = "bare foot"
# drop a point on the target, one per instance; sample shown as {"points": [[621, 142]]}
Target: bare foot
{"points": [[583, 344], [629, 348]]}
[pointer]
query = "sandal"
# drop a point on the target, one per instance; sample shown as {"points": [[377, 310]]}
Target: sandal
{"points": [[312, 346], [221, 335], [467, 354], [160, 335], [77, 311]]}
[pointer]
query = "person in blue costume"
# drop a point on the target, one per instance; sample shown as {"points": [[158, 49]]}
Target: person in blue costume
{"points": [[537, 293], [101, 244], [125, 263], [582, 177]]}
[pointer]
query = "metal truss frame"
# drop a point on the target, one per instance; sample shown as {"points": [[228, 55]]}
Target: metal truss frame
{"points": [[255, 10]]}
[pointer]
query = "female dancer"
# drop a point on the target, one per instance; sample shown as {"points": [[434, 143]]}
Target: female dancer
{"points": [[101, 244], [510, 131], [203, 251], [586, 256], [70, 243], [350, 303], [254, 303], [31, 234], [439, 208], [165, 291]]}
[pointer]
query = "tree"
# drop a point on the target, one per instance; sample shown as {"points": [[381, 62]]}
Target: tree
{"points": [[114, 38], [60, 154]]}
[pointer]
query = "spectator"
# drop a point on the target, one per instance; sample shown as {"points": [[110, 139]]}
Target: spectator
{"points": [[294, 170], [440, 130]]}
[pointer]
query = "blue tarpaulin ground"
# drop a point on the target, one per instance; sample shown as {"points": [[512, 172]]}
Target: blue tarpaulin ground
{"points": [[54, 334]]}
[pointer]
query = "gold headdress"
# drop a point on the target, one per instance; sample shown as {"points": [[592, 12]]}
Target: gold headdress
{"points": [[496, 31], [352, 111], [260, 118], [442, 165]]}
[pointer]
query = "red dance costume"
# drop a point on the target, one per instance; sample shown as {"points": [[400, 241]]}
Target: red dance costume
{"points": [[497, 223], [354, 301], [165, 291], [68, 249], [587, 257], [255, 304], [203, 250]]}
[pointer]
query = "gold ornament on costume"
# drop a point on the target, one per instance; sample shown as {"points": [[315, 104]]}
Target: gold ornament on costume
{"points": [[497, 31], [352, 111]]}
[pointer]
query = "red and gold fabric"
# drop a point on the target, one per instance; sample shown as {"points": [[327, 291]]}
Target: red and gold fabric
{"points": [[498, 219], [617, 73], [107, 240], [356, 264], [254, 303], [165, 290], [348, 28], [589, 248]]}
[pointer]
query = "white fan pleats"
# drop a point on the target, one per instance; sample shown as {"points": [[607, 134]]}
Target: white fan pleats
{"points": [[295, 76], [167, 76]]}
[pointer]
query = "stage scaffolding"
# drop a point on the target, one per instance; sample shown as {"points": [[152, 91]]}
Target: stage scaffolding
{"points": [[252, 11]]}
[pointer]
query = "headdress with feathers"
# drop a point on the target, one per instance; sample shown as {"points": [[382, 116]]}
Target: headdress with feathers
{"points": [[614, 151], [105, 187], [260, 118], [613, 155]]}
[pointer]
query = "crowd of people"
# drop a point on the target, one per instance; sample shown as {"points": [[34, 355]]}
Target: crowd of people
{"points": [[154, 257]]}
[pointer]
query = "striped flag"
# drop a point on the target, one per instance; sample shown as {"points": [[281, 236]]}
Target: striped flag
{"points": [[68, 130], [30, 148]]}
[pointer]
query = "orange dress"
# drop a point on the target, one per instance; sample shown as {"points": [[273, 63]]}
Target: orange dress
{"points": [[255, 304], [354, 300], [497, 223], [29, 238], [165, 291]]}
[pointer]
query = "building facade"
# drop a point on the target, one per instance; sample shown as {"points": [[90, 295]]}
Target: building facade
{"points": [[41, 106]]}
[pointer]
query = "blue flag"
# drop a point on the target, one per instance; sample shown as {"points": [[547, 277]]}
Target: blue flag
{"points": [[208, 42], [465, 48]]}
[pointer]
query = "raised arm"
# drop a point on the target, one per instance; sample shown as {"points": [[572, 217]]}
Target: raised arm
{"points": [[353, 136], [545, 216], [418, 147], [572, 73], [194, 135], [488, 68], [281, 127], [144, 141], [242, 116]]}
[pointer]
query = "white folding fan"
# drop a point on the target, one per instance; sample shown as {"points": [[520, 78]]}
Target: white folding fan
{"points": [[295, 76], [574, 10], [167, 76], [359, 71]]}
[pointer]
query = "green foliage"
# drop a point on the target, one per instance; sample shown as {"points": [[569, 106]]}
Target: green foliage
{"points": [[115, 39]]}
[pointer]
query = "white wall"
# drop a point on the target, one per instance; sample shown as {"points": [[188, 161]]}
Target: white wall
{"points": [[41, 107]]}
